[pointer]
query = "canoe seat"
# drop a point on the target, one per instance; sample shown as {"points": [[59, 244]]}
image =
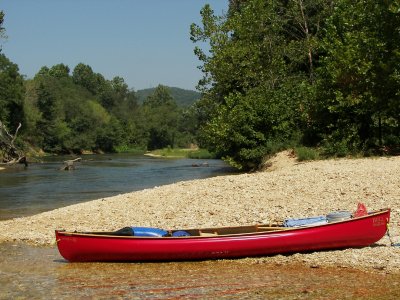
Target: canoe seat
{"points": [[208, 233]]}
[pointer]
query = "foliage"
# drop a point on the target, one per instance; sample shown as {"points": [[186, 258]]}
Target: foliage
{"points": [[126, 149], [201, 154], [313, 73], [305, 153], [64, 112], [276, 74], [65, 116], [72, 119], [183, 153], [2, 29], [258, 78], [87, 112], [11, 94], [359, 77], [182, 97], [161, 113]]}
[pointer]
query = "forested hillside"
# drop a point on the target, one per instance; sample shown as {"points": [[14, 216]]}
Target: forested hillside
{"points": [[72, 112], [183, 98]]}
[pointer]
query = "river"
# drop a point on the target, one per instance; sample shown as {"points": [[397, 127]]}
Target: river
{"points": [[42, 186], [40, 273]]}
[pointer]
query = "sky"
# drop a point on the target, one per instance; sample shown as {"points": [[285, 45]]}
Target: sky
{"points": [[146, 42]]}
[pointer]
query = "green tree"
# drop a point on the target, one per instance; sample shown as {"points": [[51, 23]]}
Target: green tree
{"points": [[110, 136], [129, 115], [119, 86], [53, 129], [359, 86], [44, 71], [106, 91], [59, 71], [2, 29], [84, 76], [114, 93], [32, 113], [161, 115], [187, 127], [258, 76], [11, 94], [160, 97], [74, 118], [54, 125], [83, 119]]}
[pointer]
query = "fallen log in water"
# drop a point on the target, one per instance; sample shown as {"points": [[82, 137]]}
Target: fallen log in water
{"points": [[69, 164]]}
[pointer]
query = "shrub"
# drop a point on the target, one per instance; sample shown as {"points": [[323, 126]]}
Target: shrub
{"points": [[305, 153], [201, 154]]}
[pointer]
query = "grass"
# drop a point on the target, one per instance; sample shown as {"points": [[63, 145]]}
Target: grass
{"points": [[305, 153], [201, 154], [127, 149], [183, 153]]}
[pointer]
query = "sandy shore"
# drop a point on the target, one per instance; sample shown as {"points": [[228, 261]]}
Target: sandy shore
{"points": [[288, 189]]}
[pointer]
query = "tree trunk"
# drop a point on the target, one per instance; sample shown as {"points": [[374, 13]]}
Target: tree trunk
{"points": [[11, 154], [306, 32]]}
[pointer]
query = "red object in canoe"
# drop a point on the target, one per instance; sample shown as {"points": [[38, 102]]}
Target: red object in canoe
{"points": [[228, 242]]}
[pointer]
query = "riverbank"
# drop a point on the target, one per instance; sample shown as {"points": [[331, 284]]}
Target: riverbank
{"points": [[194, 153], [287, 189]]}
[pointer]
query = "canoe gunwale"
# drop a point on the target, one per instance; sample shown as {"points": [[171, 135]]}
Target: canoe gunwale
{"points": [[270, 230]]}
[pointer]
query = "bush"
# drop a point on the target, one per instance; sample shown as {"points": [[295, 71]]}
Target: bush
{"points": [[201, 154], [129, 149], [305, 153]]}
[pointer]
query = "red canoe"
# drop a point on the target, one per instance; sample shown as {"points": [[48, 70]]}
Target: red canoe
{"points": [[226, 242]]}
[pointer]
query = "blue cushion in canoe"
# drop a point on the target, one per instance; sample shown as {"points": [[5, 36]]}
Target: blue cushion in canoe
{"points": [[149, 231], [180, 233]]}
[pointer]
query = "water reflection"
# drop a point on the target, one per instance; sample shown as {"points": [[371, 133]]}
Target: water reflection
{"points": [[31, 273], [43, 186]]}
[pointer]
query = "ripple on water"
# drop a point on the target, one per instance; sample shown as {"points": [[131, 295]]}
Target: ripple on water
{"points": [[34, 272]]}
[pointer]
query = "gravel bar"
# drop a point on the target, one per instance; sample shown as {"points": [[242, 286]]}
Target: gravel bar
{"points": [[285, 189]]}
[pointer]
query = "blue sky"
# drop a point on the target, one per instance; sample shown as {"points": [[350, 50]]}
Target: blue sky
{"points": [[146, 42]]}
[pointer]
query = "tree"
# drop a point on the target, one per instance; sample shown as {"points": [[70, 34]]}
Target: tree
{"points": [[44, 71], [10, 154], [160, 97], [360, 82], [11, 94], [53, 129], [73, 118], [161, 114], [113, 94], [2, 29], [59, 71], [258, 76], [187, 127], [83, 75], [119, 86]]}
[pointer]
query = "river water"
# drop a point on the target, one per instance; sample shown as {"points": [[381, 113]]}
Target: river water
{"points": [[40, 273], [42, 186], [28, 272]]}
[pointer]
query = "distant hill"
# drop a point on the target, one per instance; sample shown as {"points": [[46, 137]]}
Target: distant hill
{"points": [[181, 96]]}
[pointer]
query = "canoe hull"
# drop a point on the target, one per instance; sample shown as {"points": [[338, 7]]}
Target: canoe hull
{"points": [[359, 232]]}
